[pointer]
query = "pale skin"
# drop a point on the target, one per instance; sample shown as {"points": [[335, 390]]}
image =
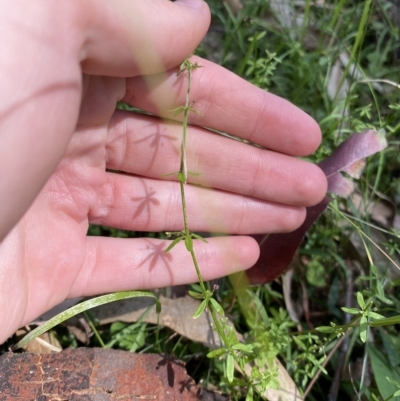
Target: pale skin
{"points": [[64, 66]]}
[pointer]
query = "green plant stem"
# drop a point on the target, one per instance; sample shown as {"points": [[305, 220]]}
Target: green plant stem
{"points": [[93, 328], [182, 176], [183, 164], [187, 232], [183, 170], [185, 219], [199, 277]]}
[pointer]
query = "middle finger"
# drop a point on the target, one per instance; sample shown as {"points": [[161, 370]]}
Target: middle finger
{"points": [[148, 146]]}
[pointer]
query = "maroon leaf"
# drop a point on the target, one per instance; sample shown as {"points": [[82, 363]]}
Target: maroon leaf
{"points": [[349, 158], [277, 250]]}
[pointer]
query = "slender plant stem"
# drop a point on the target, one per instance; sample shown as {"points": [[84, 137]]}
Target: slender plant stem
{"points": [[183, 171], [93, 327], [187, 234], [183, 166], [327, 359], [185, 219]]}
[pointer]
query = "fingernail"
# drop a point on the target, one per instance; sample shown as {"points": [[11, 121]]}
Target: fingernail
{"points": [[197, 4]]}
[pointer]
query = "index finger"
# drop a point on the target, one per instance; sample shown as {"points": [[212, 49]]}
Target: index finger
{"points": [[228, 103]]}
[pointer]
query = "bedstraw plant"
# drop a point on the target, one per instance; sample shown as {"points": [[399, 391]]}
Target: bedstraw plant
{"points": [[233, 351]]}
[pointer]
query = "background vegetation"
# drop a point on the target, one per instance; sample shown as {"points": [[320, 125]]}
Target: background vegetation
{"points": [[340, 62]]}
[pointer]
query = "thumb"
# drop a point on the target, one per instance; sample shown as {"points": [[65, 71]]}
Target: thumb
{"points": [[129, 38]]}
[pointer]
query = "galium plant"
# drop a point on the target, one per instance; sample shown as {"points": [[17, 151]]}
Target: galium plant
{"points": [[233, 351]]}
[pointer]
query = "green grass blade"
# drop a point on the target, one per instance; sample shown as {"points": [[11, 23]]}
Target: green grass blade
{"points": [[361, 30], [75, 310]]}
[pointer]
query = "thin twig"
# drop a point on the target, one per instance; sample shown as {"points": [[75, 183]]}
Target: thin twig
{"points": [[327, 359], [334, 389]]}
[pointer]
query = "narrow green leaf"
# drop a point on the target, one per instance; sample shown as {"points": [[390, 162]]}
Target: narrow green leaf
{"points": [[379, 288], [326, 329], [299, 342], [360, 300], [366, 278], [363, 329], [249, 395], [375, 315], [199, 237], [196, 295], [231, 336], [243, 347], [216, 352], [189, 243], [197, 288], [261, 35], [352, 311], [200, 309], [192, 109], [195, 66], [173, 243], [385, 300], [230, 368], [169, 174], [76, 309], [177, 110], [217, 306], [374, 271]]}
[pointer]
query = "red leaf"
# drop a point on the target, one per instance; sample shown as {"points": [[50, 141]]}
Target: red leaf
{"points": [[277, 250]]}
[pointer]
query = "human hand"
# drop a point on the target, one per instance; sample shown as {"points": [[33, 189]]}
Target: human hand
{"points": [[47, 256]]}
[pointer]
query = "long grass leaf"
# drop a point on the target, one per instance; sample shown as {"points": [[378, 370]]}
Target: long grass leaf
{"points": [[76, 309]]}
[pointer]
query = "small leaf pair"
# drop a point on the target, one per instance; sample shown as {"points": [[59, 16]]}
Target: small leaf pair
{"points": [[208, 301], [188, 237], [187, 65]]}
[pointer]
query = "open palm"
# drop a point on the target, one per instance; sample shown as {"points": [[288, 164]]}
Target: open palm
{"points": [[115, 171]]}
